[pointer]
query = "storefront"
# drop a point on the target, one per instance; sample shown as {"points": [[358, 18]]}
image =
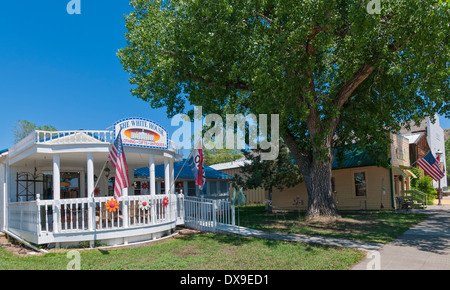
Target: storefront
{"points": [[55, 185]]}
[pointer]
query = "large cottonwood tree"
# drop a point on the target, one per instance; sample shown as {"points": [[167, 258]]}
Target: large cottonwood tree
{"points": [[334, 73]]}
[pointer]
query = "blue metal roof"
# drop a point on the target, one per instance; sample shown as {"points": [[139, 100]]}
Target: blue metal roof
{"points": [[354, 158], [3, 151], [184, 172]]}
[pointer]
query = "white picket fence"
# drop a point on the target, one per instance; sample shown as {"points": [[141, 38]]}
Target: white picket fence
{"points": [[208, 214]]}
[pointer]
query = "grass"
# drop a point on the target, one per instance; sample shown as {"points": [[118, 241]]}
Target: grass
{"points": [[228, 252], [198, 252], [375, 227]]}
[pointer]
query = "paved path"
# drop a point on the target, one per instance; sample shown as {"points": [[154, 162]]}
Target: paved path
{"points": [[425, 246]]}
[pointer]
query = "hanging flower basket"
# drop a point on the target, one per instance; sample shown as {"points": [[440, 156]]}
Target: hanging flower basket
{"points": [[144, 204], [165, 201], [112, 205], [96, 191]]}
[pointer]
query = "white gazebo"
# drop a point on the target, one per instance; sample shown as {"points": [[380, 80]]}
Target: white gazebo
{"points": [[56, 186]]}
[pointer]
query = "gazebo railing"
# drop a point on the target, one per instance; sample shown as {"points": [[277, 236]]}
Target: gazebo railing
{"points": [[93, 214]]}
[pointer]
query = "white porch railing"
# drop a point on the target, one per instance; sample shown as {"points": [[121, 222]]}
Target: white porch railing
{"points": [[207, 214], [73, 137], [84, 214], [91, 214], [50, 218]]}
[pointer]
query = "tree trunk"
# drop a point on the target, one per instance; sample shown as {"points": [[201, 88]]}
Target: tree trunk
{"points": [[317, 176], [269, 204], [320, 196]]}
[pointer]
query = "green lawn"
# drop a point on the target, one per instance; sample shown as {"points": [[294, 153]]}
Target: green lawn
{"points": [[199, 252], [228, 252], [375, 227]]}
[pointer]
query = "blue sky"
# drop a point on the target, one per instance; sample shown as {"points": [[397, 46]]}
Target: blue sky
{"points": [[62, 70]]}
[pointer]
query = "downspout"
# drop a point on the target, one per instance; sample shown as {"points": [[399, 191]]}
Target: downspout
{"points": [[392, 188], [25, 242]]}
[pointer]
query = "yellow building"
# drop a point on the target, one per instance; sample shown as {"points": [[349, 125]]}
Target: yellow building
{"points": [[358, 184]]}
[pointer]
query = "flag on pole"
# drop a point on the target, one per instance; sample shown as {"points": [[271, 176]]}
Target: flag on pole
{"points": [[431, 166], [117, 158], [196, 164]]}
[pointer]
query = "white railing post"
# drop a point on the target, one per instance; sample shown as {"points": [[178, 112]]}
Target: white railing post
{"points": [[55, 209], [233, 215], [213, 212], [38, 215], [56, 193], [125, 204], [91, 213], [153, 209]]}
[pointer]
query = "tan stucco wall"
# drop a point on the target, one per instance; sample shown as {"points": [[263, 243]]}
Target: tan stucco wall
{"points": [[376, 179]]}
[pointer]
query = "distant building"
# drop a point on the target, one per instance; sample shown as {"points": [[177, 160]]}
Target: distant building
{"points": [[357, 182], [217, 183], [435, 137], [252, 196]]}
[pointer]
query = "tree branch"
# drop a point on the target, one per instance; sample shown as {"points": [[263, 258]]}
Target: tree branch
{"points": [[348, 88], [263, 16]]}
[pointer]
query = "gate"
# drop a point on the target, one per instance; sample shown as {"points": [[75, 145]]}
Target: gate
{"points": [[207, 214]]}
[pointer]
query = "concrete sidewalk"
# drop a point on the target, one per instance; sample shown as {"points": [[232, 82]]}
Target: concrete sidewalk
{"points": [[425, 246]]}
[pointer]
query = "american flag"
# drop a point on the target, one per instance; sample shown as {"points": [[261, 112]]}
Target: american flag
{"points": [[117, 158], [431, 166]]}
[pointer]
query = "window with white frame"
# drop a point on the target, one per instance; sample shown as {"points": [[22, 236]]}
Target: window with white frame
{"points": [[360, 184]]}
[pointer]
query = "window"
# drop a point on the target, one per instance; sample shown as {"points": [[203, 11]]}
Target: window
{"points": [[111, 182], [179, 187], [223, 187], [191, 188], [212, 187], [163, 187], [360, 184]]}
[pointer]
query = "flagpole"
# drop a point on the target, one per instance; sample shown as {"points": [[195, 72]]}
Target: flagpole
{"points": [[98, 179], [182, 168]]}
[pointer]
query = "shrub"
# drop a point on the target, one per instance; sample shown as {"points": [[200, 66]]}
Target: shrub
{"points": [[423, 183]]}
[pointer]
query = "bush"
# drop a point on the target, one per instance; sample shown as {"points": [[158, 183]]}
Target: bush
{"points": [[423, 184]]}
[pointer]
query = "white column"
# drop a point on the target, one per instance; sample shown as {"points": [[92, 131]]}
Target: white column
{"points": [[90, 192], [126, 202], [172, 176], [56, 192], [90, 175], [7, 197], [167, 175], [152, 176], [56, 178], [4, 198]]}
